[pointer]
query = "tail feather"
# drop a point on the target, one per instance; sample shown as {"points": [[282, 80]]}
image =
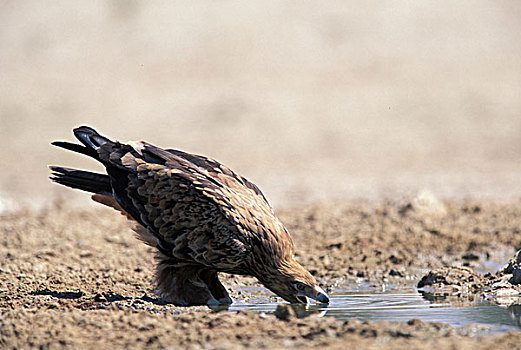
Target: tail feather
{"points": [[82, 180], [76, 148], [90, 137], [91, 142]]}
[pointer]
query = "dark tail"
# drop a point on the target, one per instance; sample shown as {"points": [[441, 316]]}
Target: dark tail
{"points": [[90, 139], [82, 180]]}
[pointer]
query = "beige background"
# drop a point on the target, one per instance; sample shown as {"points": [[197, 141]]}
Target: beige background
{"points": [[310, 100]]}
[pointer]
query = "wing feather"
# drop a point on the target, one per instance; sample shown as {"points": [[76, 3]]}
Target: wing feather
{"points": [[201, 211], [189, 226]]}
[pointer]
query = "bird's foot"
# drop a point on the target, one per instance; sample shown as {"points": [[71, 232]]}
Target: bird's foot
{"points": [[219, 305], [222, 301]]}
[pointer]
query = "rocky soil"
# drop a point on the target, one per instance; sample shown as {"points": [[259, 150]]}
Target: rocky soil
{"points": [[78, 278]]}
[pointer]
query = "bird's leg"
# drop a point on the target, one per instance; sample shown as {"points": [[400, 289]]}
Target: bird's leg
{"points": [[216, 288], [182, 285]]}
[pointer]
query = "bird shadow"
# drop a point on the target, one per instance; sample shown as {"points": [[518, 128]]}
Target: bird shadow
{"points": [[59, 295], [107, 297]]}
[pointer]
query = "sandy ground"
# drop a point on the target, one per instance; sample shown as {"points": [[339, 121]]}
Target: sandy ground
{"points": [[78, 278]]}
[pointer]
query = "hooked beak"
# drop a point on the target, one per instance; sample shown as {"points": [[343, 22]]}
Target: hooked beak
{"points": [[317, 294], [321, 295]]}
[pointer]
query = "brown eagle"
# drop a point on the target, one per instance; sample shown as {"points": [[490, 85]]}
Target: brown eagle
{"points": [[202, 217]]}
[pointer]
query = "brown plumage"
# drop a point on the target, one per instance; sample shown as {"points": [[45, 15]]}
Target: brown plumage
{"points": [[202, 217]]}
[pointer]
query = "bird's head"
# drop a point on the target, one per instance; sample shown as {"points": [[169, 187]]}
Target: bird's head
{"points": [[294, 283]]}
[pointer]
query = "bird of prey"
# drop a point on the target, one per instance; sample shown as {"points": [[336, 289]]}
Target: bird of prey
{"points": [[202, 217]]}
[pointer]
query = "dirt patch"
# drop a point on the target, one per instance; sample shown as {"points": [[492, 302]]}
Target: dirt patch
{"points": [[398, 241], [78, 278]]}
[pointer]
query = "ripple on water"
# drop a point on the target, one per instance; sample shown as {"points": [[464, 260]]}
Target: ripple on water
{"points": [[396, 305]]}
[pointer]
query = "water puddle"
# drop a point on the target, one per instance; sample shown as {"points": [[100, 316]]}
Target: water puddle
{"points": [[398, 305]]}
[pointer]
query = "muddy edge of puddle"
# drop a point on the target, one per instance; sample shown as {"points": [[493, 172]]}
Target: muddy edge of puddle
{"points": [[78, 278]]}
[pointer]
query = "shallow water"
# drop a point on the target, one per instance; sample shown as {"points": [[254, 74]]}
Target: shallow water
{"points": [[397, 305]]}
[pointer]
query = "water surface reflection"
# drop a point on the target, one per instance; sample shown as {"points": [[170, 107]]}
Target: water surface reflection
{"points": [[397, 305]]}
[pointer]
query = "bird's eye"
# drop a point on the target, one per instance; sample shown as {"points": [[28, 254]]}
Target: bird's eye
{"points": [[300, 286]]}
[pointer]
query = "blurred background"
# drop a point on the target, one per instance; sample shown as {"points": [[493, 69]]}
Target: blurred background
{"points": [[329, 100]]}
